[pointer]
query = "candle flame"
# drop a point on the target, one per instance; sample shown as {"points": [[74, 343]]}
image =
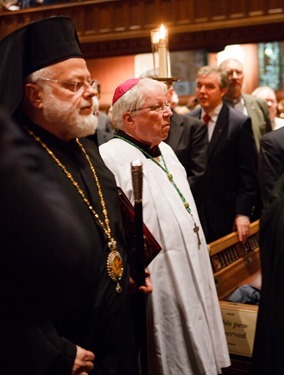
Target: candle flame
{"points": [[163, 32]]}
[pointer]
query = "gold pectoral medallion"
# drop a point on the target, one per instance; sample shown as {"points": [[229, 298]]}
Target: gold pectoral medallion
{"points": [[115, 266]]}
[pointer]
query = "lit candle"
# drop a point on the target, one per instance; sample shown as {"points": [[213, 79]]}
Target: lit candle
{"points": [[169, 64], [163, 53]]}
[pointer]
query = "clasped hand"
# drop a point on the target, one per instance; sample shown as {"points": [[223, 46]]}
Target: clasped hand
{"points": [[84, 362]]}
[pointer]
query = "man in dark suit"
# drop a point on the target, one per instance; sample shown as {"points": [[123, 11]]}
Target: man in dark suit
{"points": [[271, 161], [268, 344], [230, 184], [188, 139]]}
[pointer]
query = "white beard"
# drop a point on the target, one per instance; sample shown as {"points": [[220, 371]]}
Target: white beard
{"points": [[71, 123]]}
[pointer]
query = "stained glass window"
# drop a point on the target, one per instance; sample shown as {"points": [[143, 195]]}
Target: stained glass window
{"points": [[271, 65]]}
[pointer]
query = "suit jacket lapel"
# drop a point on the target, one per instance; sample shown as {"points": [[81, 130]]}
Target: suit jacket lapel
{"points": [[176, 130], [250, 104], [221, 124]]}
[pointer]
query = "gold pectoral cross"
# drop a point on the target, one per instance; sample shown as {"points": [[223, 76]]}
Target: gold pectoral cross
{"points": [[196, 231]]}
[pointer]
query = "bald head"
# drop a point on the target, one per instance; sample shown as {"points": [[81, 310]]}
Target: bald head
{"points": [[235, 74], [231, 62]]}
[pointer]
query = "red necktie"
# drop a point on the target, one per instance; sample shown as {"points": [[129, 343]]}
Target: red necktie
{"points": [[206, 118]]}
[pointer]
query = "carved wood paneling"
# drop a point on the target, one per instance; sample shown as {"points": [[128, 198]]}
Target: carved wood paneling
{"points": [[238, 9], [219, 10], [133, 11], [201, 11], [184, 12], [275, 6], [257, 7], [122, 27]]}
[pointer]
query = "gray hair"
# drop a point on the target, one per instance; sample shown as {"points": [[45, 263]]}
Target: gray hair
{"points": [[134, 98], [224, 64], [208, 69], [33, 77], [260, 89]]}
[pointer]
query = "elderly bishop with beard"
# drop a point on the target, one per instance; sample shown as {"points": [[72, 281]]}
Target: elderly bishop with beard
{"points": [[84, 327], [185, 328]]}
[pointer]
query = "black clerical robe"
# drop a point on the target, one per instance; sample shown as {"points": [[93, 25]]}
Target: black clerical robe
{"points": [[268, 345], [58, 293]]}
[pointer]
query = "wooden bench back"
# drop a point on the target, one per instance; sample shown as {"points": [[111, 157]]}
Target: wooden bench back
{"points": [[235, 263]]}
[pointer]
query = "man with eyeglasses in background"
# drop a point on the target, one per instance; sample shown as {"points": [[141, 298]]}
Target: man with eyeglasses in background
{"points": [[49, 93], [249, 105], [185, 329]]}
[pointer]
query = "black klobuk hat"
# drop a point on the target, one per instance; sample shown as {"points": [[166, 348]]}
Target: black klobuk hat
{"points": [[30, 48]]}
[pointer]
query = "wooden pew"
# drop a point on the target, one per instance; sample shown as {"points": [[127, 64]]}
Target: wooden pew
{"points": [[235, 264]]}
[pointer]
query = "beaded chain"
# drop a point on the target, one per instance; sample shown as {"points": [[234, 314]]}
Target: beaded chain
{"points": [[170, 177]]}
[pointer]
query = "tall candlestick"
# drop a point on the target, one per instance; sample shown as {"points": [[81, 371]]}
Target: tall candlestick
{"points": [[163, 52], [159, 39], [169, 65]]}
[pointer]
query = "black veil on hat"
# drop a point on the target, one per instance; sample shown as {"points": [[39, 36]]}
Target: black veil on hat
{"points": [[30, 48]]}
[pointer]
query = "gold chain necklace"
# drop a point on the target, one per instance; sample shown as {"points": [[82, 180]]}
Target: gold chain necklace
{"points": [[115, 266]]}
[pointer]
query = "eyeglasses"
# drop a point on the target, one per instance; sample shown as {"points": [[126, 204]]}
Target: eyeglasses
{"points": [[154, 108], [74, 86]]}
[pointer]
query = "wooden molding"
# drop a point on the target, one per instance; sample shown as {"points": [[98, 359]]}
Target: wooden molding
{"points": [[122, 27]]}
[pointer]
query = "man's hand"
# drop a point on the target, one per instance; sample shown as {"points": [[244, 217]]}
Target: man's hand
{"points": [[145, 289], [242, 225], [84, 362]]}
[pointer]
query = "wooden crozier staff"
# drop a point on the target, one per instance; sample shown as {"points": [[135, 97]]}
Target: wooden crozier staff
{"points": [[137, 183], [139, 263]]}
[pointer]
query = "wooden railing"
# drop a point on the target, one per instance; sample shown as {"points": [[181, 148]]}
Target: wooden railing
{"points": [[122, 27], [235, 263]]}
